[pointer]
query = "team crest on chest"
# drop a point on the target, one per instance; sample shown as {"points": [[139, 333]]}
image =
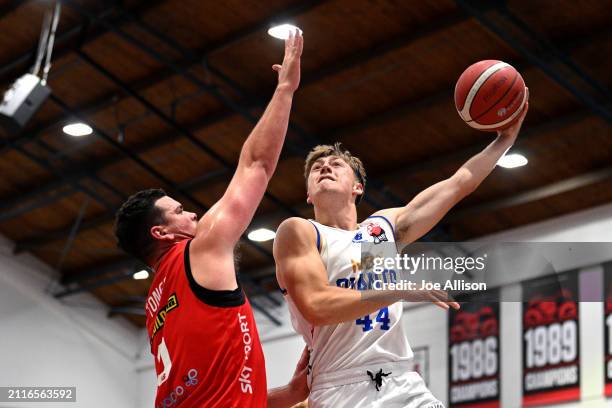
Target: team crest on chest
{"points": [[376, 232]]}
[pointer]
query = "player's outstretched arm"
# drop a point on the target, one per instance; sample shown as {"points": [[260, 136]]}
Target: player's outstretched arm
{"points": [[428, 207], [299, 269], [221, 227], [297, 389]]}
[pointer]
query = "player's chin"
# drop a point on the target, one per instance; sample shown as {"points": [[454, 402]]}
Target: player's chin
{"points": [[189, 233]]}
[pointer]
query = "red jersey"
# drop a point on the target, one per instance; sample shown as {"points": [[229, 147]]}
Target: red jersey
{"points": [[205, 343]]}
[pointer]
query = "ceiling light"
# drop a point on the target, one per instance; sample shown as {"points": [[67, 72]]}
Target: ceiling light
{"points": [[282, 31], [511, 161], [261, 234], [77, 129], [143, 274]]}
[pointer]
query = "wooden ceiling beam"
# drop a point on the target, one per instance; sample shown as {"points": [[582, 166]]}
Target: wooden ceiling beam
{"points": [[536, 194], [352, 60], [371, 121], [528, 134], [165, 73], [488, 22], [64, 40], [316, 75], [9, 7]]}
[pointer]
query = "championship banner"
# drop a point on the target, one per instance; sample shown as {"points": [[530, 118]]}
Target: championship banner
{"points": [[551, 363], [608, 328], [474, 347]]}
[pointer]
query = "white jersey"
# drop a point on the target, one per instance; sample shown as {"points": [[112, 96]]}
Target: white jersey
{"points": [[377, 338]]}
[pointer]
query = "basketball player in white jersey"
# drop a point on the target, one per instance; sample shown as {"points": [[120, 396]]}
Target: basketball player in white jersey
{"points": [[359, 352]]}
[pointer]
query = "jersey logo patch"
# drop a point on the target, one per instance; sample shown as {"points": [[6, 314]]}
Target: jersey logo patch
{"points": [[377, 233], [161, 316], [358, 237]]}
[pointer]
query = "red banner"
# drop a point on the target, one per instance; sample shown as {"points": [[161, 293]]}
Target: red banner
{"points": [[473, 370], [551, 356]]}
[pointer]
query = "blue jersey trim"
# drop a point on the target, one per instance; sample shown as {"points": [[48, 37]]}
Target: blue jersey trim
{"points": [[388, 222], [319, 236]]}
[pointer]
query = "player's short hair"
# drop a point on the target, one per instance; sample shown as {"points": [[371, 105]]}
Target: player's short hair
{"points": [[337, 150], [134, 220]]}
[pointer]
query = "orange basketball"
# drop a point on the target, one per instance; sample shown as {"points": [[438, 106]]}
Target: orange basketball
{"points": [[490, 95]]}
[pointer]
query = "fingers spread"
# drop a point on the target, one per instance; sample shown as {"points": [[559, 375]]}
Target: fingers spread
{"points": [[300, 44]]}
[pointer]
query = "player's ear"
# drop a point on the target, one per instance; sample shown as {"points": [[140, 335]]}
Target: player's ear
{"points": [[308, 200], [158, 232], [358, 188]]}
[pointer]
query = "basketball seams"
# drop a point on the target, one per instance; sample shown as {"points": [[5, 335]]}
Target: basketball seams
{"points": [[516, 77], [465, 112], [509, 119]]}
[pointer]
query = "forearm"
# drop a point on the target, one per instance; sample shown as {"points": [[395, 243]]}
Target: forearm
{"points": [[264, 144], [282, 397], [476, 169], [337, 305]]}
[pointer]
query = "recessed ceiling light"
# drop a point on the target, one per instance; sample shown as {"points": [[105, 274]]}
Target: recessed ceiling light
{"points": [[77, 129], [261, 234], [143, 274], [282, 31], [513, 160]]}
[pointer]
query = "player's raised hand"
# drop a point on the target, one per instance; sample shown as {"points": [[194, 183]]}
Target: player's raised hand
{"points": [[439, 298], [513, 131], [289, 71]]}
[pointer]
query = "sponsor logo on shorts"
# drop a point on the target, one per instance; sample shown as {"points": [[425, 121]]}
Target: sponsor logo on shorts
{"points": [[245, 375]]}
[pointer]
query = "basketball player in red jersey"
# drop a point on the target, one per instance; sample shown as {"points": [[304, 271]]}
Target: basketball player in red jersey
{"points": [[201, 326]]}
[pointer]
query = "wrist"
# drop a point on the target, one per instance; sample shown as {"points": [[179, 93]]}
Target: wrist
{"points": [[296, 392], [284, 89], [292, 388], [506, 140]]}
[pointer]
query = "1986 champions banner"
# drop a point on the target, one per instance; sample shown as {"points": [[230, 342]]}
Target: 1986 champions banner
{"points": [[551, 360], [608, 328], [474, 353]]}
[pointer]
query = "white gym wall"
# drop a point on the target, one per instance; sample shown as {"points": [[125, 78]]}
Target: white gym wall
{"points": [[44, 342]]}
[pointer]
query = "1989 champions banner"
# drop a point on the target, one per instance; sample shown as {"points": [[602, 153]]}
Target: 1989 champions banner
{"points": [[474, 353], [608, 328], [551, 361]]}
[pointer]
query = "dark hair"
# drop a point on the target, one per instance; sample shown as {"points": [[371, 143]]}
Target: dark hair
{"points": [[134, 220]]}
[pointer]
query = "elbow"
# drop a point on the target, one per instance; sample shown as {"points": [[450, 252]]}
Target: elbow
{"points": [[312, 316], [268, 168], [315, 314], [259, 161], [465, 183], [264, 166]]}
